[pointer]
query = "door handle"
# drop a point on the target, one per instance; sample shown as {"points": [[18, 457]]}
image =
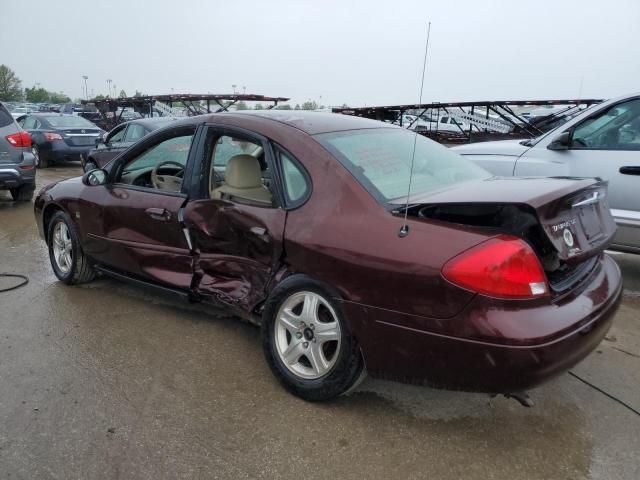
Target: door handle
{"points": [[161, 214], [630, 170]]}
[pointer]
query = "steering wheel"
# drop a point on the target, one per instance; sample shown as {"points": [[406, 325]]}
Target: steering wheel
{"points": [[167, 182]]}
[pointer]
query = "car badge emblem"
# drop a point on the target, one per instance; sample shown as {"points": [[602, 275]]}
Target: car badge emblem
{"points": [[81, 131], [568, 237]]}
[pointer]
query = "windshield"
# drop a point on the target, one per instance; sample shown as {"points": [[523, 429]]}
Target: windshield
{"points": [[69, 121], [556, 126], [380, 159]]}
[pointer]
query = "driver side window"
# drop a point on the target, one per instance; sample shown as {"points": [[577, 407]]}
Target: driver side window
{"points": [[617, 128], [161, 166]]}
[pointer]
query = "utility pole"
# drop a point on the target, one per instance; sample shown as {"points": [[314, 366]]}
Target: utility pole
{"points": [[86, 91], [108, 87]]}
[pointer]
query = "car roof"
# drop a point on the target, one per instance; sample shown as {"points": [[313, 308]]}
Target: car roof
{"points": [[152, 123], [313, 122]]}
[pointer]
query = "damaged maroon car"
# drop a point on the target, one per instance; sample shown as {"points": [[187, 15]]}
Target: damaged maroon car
{"points": [[296, 221]]}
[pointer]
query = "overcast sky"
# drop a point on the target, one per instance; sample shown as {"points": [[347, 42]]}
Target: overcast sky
{"points": [[359, 52]]}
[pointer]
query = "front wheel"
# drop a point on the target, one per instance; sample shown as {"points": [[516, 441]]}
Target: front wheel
{"points": [[307, 341], [69, 262]]}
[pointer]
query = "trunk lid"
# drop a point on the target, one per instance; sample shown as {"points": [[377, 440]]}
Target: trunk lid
{"points": [[79, 136], [572, 213]]}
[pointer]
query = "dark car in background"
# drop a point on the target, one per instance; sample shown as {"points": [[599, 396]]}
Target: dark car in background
{"points": [[303, 224], [17, 164], [56, 137], [121, 138]]}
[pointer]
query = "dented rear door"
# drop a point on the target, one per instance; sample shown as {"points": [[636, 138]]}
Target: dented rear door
{"points": [[237, 250], [236, 243]]}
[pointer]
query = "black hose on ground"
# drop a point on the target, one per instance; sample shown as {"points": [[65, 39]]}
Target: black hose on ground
{"points": [[24, 279], [607, 394]]}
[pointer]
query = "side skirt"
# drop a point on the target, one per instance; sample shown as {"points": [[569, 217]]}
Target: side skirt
{"points": [[183, 295]]}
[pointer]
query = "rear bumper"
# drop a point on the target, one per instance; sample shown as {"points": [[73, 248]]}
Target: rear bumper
{"points": [[14, 177], [519, 348], [59, 150]]}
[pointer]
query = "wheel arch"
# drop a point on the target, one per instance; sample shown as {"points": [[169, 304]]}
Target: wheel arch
{"points": [[47, 214]]}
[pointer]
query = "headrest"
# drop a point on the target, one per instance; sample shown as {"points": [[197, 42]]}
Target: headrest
{"points": [[243, 171]]}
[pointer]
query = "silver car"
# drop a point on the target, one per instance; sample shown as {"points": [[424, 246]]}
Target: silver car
{"points": [[17, 163], [603, 141]]}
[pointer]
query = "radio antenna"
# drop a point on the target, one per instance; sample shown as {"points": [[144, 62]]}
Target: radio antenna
{"points": [[404, 230]]}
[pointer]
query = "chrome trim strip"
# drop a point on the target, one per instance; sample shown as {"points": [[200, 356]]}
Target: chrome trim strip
{"points": [[626, 217], [587, 201], [9, 170]]}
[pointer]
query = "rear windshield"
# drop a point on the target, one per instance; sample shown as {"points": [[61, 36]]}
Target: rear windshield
{"points": [[380, 159], [69, 121]]}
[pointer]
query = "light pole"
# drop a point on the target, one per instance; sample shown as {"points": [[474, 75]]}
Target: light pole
{"points": [[244, 90], [86, 92], [108, 87], [234, 88], [114, 91]]}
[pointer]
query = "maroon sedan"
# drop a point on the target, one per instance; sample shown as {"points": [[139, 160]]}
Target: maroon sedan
{"points": [[296, 221]]}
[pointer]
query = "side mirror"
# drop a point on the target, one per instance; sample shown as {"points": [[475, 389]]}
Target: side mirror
{"points": [[561, 142], [95, 177]]}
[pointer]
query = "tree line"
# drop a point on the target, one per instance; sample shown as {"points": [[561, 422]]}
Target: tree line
{"points": [[11, 90]]}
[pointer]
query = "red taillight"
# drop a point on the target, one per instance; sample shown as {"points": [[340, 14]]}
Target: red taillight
{"points": [[52, 136], [20, 139], [504, 266]]}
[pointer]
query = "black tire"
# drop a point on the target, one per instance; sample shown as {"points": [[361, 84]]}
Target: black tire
{"points": [[41, 162], [80, 270], [348, 368], [23, 193]]}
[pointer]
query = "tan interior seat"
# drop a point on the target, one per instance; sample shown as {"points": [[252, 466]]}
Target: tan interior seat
{"points": [[243, 180]]}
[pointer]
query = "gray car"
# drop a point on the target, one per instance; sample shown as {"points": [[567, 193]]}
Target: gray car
{"points": [[603, 141], [17, 163]]}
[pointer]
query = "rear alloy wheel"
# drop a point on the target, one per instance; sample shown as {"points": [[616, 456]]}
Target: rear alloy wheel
{"points": [[69, 263], [23, 193], [40, 162], [307, 342]]}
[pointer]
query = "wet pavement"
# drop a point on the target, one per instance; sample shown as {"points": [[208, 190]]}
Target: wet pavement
{"points": [[110, 381]]}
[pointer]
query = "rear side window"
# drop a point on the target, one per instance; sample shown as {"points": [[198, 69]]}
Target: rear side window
{"points": [[29, 123], [5, 117], [296, 185]]}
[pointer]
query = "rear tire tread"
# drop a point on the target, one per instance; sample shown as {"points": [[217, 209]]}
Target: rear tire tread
{"points": [[23, 193]]}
